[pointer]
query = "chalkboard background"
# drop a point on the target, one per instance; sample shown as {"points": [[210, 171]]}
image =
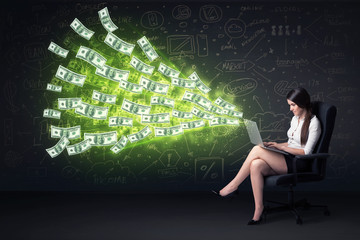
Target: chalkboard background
{"points": [[250, 54]]}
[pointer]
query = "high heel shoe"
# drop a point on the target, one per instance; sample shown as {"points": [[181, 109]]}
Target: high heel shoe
{"points": [[232, 194], [262, 217]]}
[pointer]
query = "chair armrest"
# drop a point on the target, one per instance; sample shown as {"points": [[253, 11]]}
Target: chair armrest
{"points": [[313, 156]]}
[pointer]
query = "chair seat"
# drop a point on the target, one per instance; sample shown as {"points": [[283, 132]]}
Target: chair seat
{"points": [[288, 179]]}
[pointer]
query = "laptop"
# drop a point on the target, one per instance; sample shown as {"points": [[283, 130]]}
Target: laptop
{"points": [[256, 139]]}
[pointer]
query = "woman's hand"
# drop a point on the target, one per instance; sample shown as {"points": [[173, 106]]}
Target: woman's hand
{"points": [[279, 146]]}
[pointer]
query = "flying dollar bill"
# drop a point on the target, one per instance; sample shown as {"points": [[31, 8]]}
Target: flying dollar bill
{"points": [[141, 66], [232, 113], [79, 147], [131, 87], [155, 118], [120, 145], [53, 88], [143, 133], [153, 86], [102, 97], [58, 148], [106, 20], [201, 114], [53, 47], [80, 29], [68, 103], [70, 76], [135, 108], [168, 131], [224, 104], [159, 100], [180, 114], [197, 99], [184, 83], [113, 74], [120, 121], [168, 71], [215, 109], [147, 49], [91, 56], [193, 124], [101, 139], [217, 121], [51, 113], [91, 111], [119, 45], [199, 84], [69, 133]]}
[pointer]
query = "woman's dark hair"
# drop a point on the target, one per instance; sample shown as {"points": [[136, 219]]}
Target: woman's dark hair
{"points": [[302, 98]]}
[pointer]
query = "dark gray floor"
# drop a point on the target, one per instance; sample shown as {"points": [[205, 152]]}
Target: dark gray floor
{"points": [[194, 215]]}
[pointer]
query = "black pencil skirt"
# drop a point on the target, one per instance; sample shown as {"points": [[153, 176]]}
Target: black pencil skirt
{"points": [[301, 165]]}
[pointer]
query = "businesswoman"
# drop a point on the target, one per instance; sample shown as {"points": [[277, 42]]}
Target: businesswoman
{"points": [[302, 137]]}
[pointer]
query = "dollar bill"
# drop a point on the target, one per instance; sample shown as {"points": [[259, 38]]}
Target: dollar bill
{"points": [[69, 133], [224, 104], [193, 124], [113, 74], [119, 45], [135, 108], [153, 86], [51, 113], [159, 100], [197, 99], [147, 49], [101, 139], [168, 131], [168, 71], [91, 111], [119, 146], [201, 114], [54, 88], [120, 121], [68, 103], [131, 87], [199, 84], [143, 133], [184, 83], [80, 29], [91, 56], [155, 118], [215, 109], [232, 113], [53, 47], [179, 114], [70, 76], [217, 121], [58, 148], [102, 97], [106, 20], [141, 66], [79, 147]]}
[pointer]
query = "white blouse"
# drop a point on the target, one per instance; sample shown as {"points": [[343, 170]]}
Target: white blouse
{"points": [[294, 134]]}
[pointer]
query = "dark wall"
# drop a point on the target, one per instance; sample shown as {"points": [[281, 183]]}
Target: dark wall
{"points": [[250, 54]]}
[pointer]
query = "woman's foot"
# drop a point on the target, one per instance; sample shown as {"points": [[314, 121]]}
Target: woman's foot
{"points": [[229, 189], [258, 213]]}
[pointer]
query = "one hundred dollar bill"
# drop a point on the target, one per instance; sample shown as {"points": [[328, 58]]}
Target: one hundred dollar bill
{"points": [[54, 88], [155, 118], [153, 86], [120, 121], [101, 139], [119, 45], [199, 84], [141, 66], [197, 99], [193, 124], [69, 133], [217, 121], [147, 49], [180, 114], [68, 103], [160, 100], [58, 148], [135, 108], [80, 29], [91, 56], [91, 111], [120, 145], [184, 83], [201, 114], [102, 97], [106, 20], [215, 109], [79, 147], [233, 113], [168, 71], [168, 131], [70, 76], [113, 74], [51, 113], [53, 47], [131, 87], [143, 133], [224, 104]]}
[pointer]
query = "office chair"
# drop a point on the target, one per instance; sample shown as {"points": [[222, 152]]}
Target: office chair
{"points": [[326, 114]]}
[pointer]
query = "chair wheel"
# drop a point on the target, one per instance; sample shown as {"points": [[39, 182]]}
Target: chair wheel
{"points": [[299, 221]]}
